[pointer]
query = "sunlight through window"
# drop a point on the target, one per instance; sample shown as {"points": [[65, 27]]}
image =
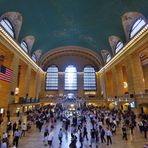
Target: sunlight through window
{"points": [[70, 78]]}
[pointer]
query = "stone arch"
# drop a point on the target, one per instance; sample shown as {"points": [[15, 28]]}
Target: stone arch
{"points": [[38, 54], [104, 54], [75, 52], [29, 41], [128, 19], [16, 20], [113, 41]]}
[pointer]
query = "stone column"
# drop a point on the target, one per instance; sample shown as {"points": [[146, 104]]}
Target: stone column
{"points": [[22, 84], [27, 80], [38, 84], [43, 85], [98, 88], [80, 78], [114, 79], [15, 67], [145, 73], [120, 80], [32, 85], [135, 74], [109, 84], [61, 82], [103, 85]]}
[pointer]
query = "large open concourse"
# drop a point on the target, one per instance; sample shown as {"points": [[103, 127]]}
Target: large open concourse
{"points": [[73, 73]]}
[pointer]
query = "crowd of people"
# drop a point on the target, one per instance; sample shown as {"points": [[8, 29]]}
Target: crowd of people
{"points": [[96, 125]]}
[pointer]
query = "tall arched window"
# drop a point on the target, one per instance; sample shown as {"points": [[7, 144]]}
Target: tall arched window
{"points": [[118, 46], [70, 78], [7, 26], [52, 78], [139, 24], [25, 46], [34, 58], [89, 78]]}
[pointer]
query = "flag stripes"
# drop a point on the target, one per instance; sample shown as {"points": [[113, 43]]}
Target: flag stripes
{"points": [[5, 74]]}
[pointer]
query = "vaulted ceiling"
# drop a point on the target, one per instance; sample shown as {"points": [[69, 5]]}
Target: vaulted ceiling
{"points": [[85, 23]]}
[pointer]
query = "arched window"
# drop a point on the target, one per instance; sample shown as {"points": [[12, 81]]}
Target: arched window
{"points": [[7, 26], [52, 78], [34, 58], [108, 57], [25, 46], [139, 24], [118, 46], [89, 78], [70, 78]]}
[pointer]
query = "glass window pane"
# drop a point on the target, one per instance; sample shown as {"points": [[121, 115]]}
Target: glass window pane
{"points": [[34, 58], [52, 78], [7, 26], [139, 24], [70, 78], [24, 46], [89, 78], [118, 47], [108, 57]]}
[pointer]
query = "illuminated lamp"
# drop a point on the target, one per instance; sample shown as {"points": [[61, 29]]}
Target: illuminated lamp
{"points": [[125, 85], [16, 91]]}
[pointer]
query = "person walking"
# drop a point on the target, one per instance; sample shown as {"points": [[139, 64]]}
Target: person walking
{"points": [[81, 138], [16, 137], [14, 127], [124, 132], [85, 133], [50, 137], [108, 136], [60, 135], [102, 134], [92, 133], [24, 128]]}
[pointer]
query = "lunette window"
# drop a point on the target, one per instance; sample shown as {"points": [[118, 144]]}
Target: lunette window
{"points": [[138, 25], [24, 46], [34, 58], [108, 57], [118, 46], [7, 26]]}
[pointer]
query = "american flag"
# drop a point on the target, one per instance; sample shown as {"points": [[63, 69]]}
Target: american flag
{"points": [[5, 74]]}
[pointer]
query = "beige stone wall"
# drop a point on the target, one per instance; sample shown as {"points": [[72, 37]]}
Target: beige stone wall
{"points": [[145, 72], [110, 92], [32, 85]]}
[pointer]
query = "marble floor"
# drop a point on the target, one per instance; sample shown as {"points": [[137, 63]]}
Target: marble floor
{"points": [[34, 139]]}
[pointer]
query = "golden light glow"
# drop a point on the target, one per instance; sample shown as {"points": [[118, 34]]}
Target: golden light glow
{"points": [[125, 85], [90, 92], [1, 110], [16, 91], [72, 105], [134, 40], [17, 48]]}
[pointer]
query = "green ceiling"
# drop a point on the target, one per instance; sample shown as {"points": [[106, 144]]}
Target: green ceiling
{"points": [[85, 23]]}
